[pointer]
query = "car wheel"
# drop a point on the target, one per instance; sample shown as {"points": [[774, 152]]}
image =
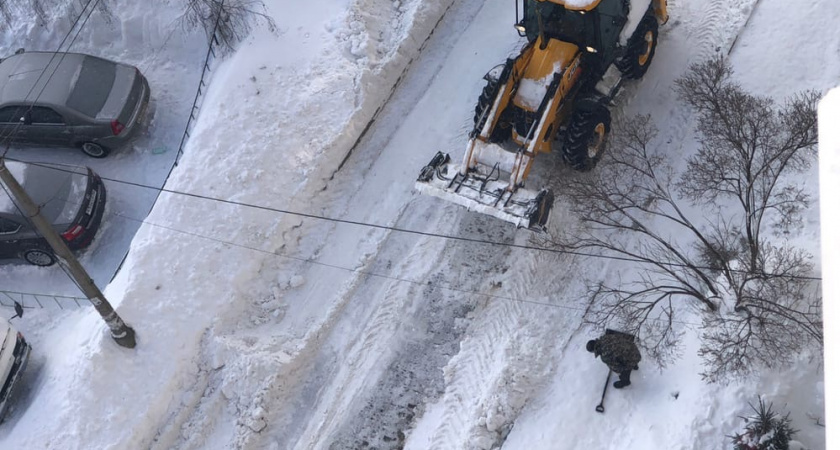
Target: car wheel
{"points": [[38, 257], [94, 150]]}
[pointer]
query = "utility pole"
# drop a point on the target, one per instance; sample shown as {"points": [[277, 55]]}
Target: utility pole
{"points": [[122, 333]]}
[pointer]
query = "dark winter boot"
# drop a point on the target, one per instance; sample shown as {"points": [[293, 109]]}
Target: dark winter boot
{"points": [[621, 383]]}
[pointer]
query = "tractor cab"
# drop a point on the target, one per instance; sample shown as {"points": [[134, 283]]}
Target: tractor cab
{"points": [[594, 26], [556, 22]]}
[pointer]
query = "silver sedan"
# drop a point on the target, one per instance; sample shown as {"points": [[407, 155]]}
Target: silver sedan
{"points": [[70, 99]]}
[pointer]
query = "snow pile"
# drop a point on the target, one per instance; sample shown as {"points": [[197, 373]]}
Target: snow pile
{"points": [[273, 127], [531, 92], [511, 390]]}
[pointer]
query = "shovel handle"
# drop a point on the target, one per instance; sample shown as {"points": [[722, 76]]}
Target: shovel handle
{"points": [[600, 407]]}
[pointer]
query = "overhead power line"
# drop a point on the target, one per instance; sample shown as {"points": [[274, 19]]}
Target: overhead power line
{"points": [[374, 274], [323, 264], [396, 229]]}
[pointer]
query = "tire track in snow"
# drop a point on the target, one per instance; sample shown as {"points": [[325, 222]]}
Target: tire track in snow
{"points": [[429, 335], [708, 33], [723, 21], [470, 375], [377, 343], [187, 416], [309, 378], [471, 372], [500, 362]]}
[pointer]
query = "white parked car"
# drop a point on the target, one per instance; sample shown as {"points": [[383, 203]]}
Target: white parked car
{"points": [[14, 355]]}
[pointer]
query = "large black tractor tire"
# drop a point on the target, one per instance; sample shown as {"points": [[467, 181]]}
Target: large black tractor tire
{"points": [[586, 138], [640, 49], [485, 100]]}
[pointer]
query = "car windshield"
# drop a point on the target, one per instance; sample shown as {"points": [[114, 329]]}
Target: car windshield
{"points": [[93, 86]]}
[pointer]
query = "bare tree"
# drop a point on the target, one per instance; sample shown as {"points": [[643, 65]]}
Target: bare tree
{"points": [[79, 9], [230, 20], [75, 9], [700, 237], [7, 10], [4, 11], [747, 146]]}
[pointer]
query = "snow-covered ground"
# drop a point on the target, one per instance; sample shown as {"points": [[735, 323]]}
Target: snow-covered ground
{"points": [[263, 329]]}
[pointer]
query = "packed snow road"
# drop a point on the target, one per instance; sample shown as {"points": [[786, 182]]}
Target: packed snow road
{"points": [[433, 343], [449, 335], [356, 340], [260, 328]]}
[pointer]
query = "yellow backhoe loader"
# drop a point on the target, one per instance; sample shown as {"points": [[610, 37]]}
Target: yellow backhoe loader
{"points": [[554, 93]]}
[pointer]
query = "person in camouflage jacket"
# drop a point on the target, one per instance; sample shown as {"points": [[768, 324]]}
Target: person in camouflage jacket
{"points": [[618, 351]]}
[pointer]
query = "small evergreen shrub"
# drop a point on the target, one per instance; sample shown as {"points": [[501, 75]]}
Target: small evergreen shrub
{"points": [[765, 430]]}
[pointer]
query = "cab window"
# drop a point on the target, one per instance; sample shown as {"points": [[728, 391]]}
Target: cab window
{"points": [[8, 226], [43, 115], [12, 114]]}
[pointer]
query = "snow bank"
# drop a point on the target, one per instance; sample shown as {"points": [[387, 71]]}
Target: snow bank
{"points": [[274, 126]]}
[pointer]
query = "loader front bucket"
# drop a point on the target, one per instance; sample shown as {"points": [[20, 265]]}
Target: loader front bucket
{"points": [[487, 193], [539, 210]]}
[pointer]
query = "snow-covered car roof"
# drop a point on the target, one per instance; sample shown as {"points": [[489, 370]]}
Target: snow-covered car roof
{"points": [[21, 76], [58, 189]]}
